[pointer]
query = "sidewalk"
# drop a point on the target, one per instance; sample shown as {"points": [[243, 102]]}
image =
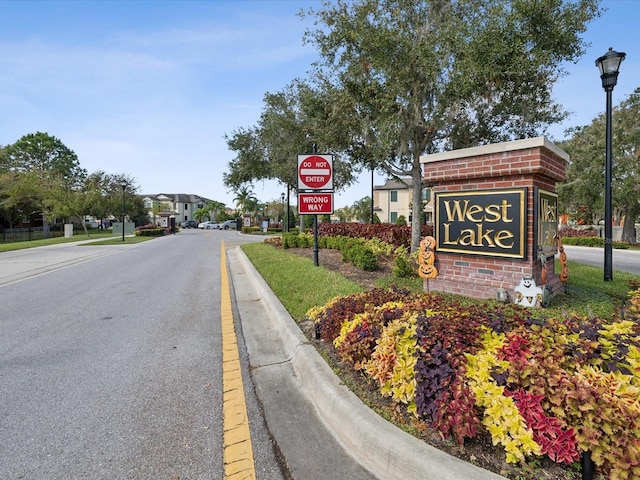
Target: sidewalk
{"points": [[282, 359], [20, 264]]}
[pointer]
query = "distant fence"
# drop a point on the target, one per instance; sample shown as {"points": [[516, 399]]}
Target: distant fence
{"points": [[9, 235]]}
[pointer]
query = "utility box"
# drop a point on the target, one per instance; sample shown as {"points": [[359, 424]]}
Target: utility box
{"points": [[68, 230], [128, 230]]}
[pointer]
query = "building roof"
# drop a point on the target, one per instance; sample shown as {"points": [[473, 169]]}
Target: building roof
{"points": [[177, 197], [395, 184]]}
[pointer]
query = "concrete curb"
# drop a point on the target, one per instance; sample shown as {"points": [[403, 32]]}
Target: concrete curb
{"points": [[377, 445]]}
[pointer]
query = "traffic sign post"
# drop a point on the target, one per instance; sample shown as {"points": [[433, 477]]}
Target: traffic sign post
{"points": [[315, 172], [315, 178]]}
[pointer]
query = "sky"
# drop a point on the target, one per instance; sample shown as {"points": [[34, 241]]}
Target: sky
{"points": [[150, 88]]}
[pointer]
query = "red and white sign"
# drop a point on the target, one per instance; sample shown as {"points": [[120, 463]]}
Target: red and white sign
{"points": [[315, 172], [315, 203]]}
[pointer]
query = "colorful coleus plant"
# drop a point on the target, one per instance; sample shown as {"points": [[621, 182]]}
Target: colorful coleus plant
{"points": [[555, 387], [328, 318], [501, 416], [393, 361], [358, 335]]}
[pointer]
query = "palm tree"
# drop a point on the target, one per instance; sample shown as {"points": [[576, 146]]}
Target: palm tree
{"points": [[217, 209], [362, 209], [200, 214], [245, 198]]}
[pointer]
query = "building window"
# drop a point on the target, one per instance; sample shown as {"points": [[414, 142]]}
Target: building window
{"points": [[394, 195], [393, 216], [186, 206], [426, 194]]}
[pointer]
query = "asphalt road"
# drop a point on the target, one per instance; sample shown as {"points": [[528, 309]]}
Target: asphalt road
{"points": [[111, 368], [623, 260]]}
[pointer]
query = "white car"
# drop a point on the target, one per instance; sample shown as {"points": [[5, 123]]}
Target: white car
{"points": [[210, 226], [229, 224]]}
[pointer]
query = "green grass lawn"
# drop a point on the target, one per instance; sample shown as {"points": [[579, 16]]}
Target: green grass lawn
{"points": [[300, 285], [96, 237], [295, 280], [117, 240], [6, 247]]}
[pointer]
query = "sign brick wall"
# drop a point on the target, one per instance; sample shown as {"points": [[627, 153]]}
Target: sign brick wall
{"points": [[532, 164]]}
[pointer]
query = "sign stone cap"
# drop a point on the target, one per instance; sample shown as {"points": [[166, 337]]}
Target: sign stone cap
{"points": [[496, 148]]}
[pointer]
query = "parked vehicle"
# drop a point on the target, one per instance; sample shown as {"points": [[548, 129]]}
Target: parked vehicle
{"points": [[189, 224], [229, 224], [208, 226]]}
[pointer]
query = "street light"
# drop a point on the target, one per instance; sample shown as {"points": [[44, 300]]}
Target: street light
{"points": [[282, 219], [124, 187], [608, 64]]}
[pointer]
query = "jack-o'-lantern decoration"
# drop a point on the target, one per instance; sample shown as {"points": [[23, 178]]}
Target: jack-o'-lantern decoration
{"points": [[428, 243], [427, 271], [427, 258]]}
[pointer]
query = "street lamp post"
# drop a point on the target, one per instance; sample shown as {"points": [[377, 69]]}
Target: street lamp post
{"points": [[282, 219], [124, 187], [608, 64]]}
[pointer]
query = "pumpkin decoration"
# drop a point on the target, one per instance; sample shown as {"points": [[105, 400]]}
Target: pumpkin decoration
{"points": [[427, 258], [428, 243], [427, 271]]}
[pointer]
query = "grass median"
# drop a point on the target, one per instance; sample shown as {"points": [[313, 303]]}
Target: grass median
{"points": [[300, 285], [101, 238], [295, 280]]}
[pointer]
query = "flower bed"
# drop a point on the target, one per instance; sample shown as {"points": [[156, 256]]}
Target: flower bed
{"points": [[538, 386]]}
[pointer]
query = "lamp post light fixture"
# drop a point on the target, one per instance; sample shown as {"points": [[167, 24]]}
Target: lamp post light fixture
{"points": [[124, 187], [608, 64]]}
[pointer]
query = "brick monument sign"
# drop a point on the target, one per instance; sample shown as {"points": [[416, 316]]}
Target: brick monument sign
{"points": [[496, 217]]}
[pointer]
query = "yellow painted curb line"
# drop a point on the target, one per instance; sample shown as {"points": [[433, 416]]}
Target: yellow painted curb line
{"points": [[238, 451]]}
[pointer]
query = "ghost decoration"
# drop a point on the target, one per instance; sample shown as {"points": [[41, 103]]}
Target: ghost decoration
{"points": [[528, 294]]}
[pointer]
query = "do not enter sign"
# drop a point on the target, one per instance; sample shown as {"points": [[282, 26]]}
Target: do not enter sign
{"points": [[315, 172]]}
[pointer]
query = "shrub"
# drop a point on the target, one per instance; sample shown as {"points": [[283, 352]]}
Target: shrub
{"points": [[576, 232], [297, 240], [591, 241], [360, 256], [405, 265], [150, 230], [393, 234], [401, 220]]}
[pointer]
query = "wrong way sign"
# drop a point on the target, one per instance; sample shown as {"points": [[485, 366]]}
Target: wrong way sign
{"points": [[320, 203], [315, 172]]}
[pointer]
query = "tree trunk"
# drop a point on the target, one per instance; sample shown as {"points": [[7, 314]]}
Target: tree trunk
{"points": [[45, 226], [416, 204], [628, 230]]}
